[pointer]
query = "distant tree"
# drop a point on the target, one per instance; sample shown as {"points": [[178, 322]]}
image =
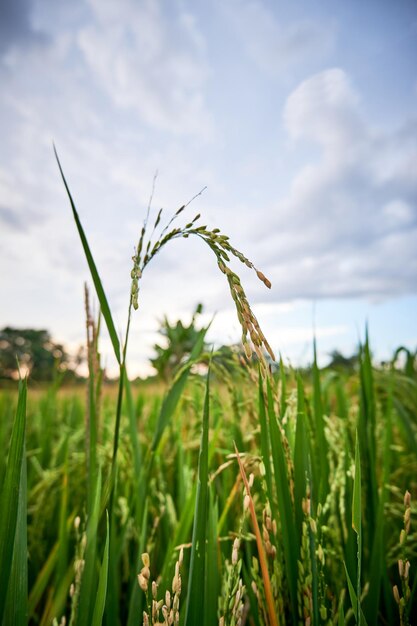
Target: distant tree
{"points": [[406, 360], [341, 362], [179, 342], [33, 349]]}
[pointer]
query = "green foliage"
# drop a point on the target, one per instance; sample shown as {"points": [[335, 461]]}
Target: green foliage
{"points": [[179, 341], [158, 517], [34, 350], [196, 595], [13, 496], [328, 458]]}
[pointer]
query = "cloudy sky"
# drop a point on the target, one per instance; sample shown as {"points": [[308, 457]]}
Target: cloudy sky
{"points": [[301, 119]]}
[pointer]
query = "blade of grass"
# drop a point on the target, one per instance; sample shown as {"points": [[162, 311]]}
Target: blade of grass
{"points": [[265, 449], [104, 306], [341, 615], [87, 590], [212, 578], [105, 310], [63, 513], [283, 379], [45, 574], [196, 602], [91, 434], [102, 583], [354, 600], [357, 523], [302, 479], [302, 469], [133, 431], [57, 598], [323, 486], [17, 595], [173, 396], [10, 495], [377, 568], [367, 433]]}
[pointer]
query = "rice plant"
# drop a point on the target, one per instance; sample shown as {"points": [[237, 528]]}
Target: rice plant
{"points": [[252, 498]]}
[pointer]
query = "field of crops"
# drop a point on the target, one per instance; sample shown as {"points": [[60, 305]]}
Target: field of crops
{"points": [[326, 465], [238, 496]]}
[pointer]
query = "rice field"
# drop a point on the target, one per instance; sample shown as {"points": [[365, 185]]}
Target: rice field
{"points": [[238, 497]]}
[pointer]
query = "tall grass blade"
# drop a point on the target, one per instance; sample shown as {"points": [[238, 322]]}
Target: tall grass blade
{"points": [[91, 435], [104, 306], [102, 583], [357, 523], [57, 598], [45, 574], [10, 496], [212, 578], [266, 449], [196, 602], [133, 431], [17, 594], [323, 465], [302, 466], [63, 537], [283, 380], [377, 569], [367, 434], [173, 396], [341, 615], [88, 580], [357, 610]]}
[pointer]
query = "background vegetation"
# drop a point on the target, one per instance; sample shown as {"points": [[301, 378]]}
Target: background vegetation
{"points": [[235, 497]]}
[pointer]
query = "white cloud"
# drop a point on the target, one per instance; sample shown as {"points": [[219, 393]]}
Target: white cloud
{"points": [[347, 225], [324, 108], [276, 45], [150, 62]]}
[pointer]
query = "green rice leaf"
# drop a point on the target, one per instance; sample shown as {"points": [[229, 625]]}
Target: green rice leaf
{"points": [[302, 468], [102, 582], [266, 449], [341, 615], [88, 580], [196, 602], [45, 574], [212, 577], [9, 521], [357, 521], [57, 598], [321, 447], [377, 569], [104, 306], [354, 600], [285, 508], [283, 379], [17, 594], [174, 394], [356, 503], [63, 535]]}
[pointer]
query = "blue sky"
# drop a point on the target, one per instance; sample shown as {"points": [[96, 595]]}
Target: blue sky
{"points": [[301, 119]]}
